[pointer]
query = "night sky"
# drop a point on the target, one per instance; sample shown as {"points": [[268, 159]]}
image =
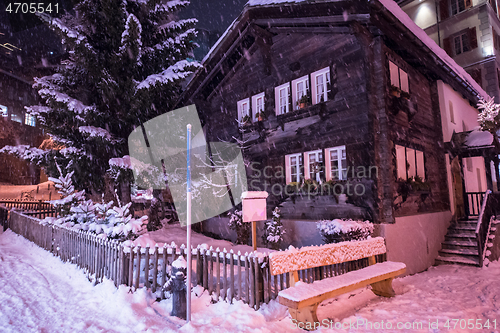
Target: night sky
{"points": [[215, 15]]}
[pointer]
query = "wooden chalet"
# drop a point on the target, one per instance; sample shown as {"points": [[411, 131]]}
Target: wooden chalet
{"points": [[332, 93]]}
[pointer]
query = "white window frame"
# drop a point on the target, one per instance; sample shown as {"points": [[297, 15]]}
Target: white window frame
{"points": [[255, 104], [399, 78], [325, 75], [29, 119], [460, 38], [243, 110], [307, 166], [295, 93], [342, 173], [409, 162], [280, 108], [288, 168]]}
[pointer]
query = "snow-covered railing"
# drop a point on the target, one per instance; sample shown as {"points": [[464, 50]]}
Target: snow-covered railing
{"points": [[488, 210], [226, 275]]}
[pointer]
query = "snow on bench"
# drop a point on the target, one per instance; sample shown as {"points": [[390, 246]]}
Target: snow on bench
{"points": [[302, 299]]}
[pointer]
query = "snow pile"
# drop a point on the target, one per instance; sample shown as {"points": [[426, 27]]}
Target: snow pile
{"points": [[479, 138], [316, 256], [339, 230]]}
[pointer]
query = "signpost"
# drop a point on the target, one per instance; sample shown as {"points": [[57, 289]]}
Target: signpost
{"points": [[188, 189], [254, 209]]}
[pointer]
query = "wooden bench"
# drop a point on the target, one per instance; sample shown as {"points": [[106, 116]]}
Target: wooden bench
{"points": [[303, 300]]}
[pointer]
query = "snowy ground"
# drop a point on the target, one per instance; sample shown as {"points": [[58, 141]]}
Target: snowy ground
{"points": [[8, 191], [39, 293], [177, 234]]}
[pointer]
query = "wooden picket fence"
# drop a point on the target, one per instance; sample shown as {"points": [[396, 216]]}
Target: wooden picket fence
{"points": [[225, 275], [39, 209]]}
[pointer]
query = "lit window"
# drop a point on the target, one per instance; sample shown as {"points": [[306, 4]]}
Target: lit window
{"points": [[321, 83], [461, 43], [314, 164], [29, 120], [4, 111], [300, 88], [294, 165], [17, 118], [282, 96], [244, 111], [399, 78], [336, 163], [257, 105], [458, 6], [410, 163]]}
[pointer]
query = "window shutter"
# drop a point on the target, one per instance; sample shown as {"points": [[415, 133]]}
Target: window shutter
{"points": [[476, 75], [447, 46], [332, 85], [473, 38], [495, 41], [443, 10]]}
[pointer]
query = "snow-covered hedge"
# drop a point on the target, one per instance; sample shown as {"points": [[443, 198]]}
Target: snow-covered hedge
{"points": [[338, 230], [105, 219]]}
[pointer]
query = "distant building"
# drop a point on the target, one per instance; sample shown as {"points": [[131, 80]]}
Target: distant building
{"points": [[468, 30], [28, 49]]}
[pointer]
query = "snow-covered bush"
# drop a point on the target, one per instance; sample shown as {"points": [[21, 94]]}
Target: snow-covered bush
{"points": [[69, 198], [104, 219], [338, 230], [242, 228], [273, 234]]}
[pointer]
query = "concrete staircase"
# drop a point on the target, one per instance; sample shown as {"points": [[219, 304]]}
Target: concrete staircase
{"points": [[460, 244]]}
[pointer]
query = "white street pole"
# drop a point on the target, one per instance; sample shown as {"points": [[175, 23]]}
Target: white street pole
{"points": [[188, 281]]}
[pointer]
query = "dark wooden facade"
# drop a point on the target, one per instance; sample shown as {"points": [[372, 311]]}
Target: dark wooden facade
{"points": [[270, 46]]}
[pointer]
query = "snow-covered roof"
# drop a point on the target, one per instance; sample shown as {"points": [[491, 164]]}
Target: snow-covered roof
{"points": [[396, 11], [478, 138]]}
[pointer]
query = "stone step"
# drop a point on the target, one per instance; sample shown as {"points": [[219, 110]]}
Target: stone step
{"points": [[462, 227], [459, 252], [457, 244], [456, 260]]}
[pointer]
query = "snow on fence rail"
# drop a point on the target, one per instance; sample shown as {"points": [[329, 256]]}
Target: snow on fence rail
{"points": [[226, 275]]}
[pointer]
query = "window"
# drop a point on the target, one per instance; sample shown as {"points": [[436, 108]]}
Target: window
{"points": [[468, 162], [300, 87], [29, 119], [293, 166], [257, 105], [314, 165], [458, 6], [282, 97], [321, 83], [452, 114], [461, 43], [410, 163], [243, 110], [399, 78], [336, 163], [4, 111], [16, 117]]}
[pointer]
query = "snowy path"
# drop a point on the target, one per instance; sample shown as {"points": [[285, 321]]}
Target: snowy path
{"points": [[38, 293]]}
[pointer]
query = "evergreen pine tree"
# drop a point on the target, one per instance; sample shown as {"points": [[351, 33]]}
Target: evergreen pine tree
{"points": [[127, 59]]}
